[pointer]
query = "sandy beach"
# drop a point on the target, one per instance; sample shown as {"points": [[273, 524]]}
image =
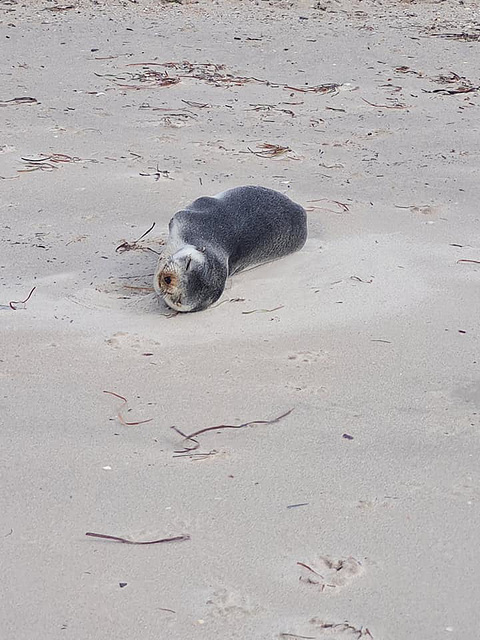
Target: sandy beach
{"points": [[358, 514]]}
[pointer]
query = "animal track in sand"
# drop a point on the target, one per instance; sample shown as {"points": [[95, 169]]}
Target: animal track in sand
{"points": [[307, 356], [121, 340], [317, 390], [387, 503], [224, 603], [327, 573]]}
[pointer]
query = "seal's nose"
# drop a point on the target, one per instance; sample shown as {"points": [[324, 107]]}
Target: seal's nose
{"points": [[167, 282]]}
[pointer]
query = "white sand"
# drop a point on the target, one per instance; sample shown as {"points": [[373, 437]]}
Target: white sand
{"points": [[377, 336]]}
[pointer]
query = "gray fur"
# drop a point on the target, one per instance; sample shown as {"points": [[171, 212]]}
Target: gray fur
{"points": [[215, 237]]}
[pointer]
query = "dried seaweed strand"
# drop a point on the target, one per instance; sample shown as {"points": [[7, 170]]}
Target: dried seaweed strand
{"points": [[245, 313], [342, 205], [385, 106], [215, 74], [472, 261], [451, 92], [200, 455], [186, 437], [119, 415], [302, 564], [270, 150], [131, 246], [22, 100], [345, 626], [134, 288], [126, 541], [322, 88], [12, 303], [54, 157], [239, 426], [192, 436], [466, 37], [198, 105]]}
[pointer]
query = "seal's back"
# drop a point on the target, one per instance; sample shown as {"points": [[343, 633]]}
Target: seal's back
{"points": [[250, 224]]}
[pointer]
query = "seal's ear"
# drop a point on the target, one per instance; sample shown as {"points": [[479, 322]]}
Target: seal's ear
{"points": [[188, 262]]}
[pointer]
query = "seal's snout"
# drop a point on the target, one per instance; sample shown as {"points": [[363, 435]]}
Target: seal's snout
{"points": [[167, 284]]}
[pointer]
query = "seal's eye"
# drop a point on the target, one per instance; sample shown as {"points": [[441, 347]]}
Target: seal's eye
{"points": [[167, 280]]}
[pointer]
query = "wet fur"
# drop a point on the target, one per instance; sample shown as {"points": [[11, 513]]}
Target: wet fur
{"points": [[218, 236]]}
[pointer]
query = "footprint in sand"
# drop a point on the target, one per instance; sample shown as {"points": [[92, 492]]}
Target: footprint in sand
{"points": [[224, 603], [123, 340], [326, 573]]}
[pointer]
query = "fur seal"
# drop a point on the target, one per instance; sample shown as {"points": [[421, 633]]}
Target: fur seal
{"points": [[215, 237]]}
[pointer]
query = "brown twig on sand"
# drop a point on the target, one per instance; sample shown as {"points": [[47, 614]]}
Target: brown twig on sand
{"points": [[345, 626], [159, 173], [127, 541], [22, 100], [134, 288], [197, 456], [465, 37], [142, 275], [12, 303], [54, 157], [59, 8], [186, 437], [131, 246], [200, 455], [198, 105], [302, 564], [330, 87], [472, 261], [150, 79], [50, 162], [214, 74], [268, 150], [228, 300], [451, 92], [246, 313], [181, 114], [405, 69], [344, 207], [194, 435], [119, 414], [37, 166], [270, 107], [386, 106], [449, 78]]}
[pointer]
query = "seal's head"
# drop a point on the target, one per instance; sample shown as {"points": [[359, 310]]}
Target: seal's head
{"points": [[191, 279]]}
